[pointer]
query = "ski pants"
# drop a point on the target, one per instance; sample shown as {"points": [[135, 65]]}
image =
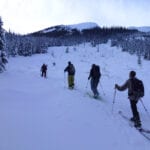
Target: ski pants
{"points": [[44, 74], [133, 104], [94, 84], [70, 81]]}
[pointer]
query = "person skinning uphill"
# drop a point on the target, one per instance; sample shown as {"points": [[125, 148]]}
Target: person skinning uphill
{"points": [[95, 77], [71, 73], [44, 70], [135, 92]]}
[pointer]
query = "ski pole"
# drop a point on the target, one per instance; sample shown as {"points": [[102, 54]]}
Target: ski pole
{"points": [[87, 84], [145, 108], [114, 100], [64, 80], [102, 88]]}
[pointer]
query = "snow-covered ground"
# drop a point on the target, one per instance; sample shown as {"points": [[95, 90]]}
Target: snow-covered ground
{"points": [[43, 114]]}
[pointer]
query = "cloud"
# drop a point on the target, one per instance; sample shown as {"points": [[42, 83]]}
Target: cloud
{"points": [[25, 16]]}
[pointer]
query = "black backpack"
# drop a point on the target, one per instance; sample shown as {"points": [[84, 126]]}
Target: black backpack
{"points": [[44, 67], [137, 87], [71, 69], [97, 73]]}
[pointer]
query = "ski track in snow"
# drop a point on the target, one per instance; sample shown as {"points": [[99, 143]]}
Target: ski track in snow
{"points": [[42, 114]]}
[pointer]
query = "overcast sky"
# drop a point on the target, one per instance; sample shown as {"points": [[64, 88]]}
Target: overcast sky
{"points": [[25, 16]]}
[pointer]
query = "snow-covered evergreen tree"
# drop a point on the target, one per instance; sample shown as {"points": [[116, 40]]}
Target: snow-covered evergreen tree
{"points": [[3, 59]]}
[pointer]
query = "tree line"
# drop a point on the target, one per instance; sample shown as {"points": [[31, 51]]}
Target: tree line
{"points": [[12, 44]]}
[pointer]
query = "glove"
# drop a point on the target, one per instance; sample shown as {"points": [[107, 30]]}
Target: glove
{"points": [[116, 86]]}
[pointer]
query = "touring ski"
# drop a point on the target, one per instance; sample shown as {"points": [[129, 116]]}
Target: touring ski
{"points": [[141, 130], [92, 96]]}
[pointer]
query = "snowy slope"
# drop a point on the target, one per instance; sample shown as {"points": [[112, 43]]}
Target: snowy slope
{"points": [[42, 114]]}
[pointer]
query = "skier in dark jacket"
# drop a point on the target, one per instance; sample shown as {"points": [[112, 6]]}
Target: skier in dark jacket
{"points": [[44, 70], [133, 97], [95, 77], [71, 73]]}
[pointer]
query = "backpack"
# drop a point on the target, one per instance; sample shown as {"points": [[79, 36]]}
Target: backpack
{"points": [[137, 87], [96, 72], [72, 69], [44, 67]]}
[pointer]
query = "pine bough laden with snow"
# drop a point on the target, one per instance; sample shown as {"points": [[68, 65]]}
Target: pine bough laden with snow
{"points": [[3, 58]]}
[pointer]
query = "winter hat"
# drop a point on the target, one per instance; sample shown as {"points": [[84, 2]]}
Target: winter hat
{"points": [[132, 74]]}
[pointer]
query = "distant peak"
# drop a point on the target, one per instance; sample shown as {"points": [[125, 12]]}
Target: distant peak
{"points": [[142, 28], [79, 27], [82, 26]]}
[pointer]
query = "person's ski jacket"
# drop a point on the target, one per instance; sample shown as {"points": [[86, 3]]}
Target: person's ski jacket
{"points": [[95, 72], [128, 85], [44, 68], [70, 69]]}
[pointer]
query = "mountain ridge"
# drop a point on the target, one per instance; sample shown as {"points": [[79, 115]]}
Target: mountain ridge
{"points": [[141, 28], [79, 27]]}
